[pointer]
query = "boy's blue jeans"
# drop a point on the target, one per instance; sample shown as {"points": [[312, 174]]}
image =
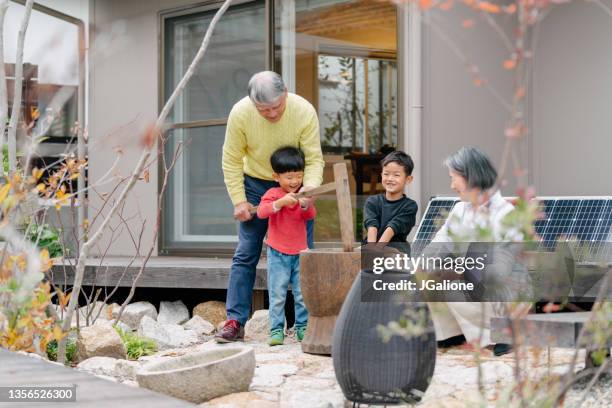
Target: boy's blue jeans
{"points": [[250, 240], [284, 269]]}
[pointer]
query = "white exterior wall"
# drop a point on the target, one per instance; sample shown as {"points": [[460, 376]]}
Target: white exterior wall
{"points": [[572, 102]]}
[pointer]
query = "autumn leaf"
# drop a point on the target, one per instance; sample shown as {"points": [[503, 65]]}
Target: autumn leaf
{"points": [[145, 175], [46, 262], [488, 7], [520, 93], [4, 192], [150, 135], [510, 9], [63, 299], [509, 64], [58, 334], [425, 4], [467, 23]]}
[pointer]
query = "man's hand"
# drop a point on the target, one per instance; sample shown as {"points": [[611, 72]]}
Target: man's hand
{"points": [[242, 211], [306, 202], [288, 200]]}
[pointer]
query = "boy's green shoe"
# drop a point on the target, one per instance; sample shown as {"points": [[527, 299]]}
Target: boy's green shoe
{"points": [[300, 332], [277, 337]]}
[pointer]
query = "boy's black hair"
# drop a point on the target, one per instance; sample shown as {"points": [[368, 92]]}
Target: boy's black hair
{"points": [[400, 158], [288, 159]]}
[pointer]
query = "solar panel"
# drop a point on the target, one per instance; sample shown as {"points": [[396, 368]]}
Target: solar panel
{"points": [[584, 220], [436, 212]]}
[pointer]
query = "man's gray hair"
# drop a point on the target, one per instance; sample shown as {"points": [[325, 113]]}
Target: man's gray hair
{"points": [[473, 165], [266, 87]]}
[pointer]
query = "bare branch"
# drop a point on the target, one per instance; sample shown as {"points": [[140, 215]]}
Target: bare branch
{"points": [[3, 92], [16, 111]]}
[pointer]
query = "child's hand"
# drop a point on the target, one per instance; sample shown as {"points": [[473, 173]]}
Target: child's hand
{"points": [[288, 200], [304, 202]]}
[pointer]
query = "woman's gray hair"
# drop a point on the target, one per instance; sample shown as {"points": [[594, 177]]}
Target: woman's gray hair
{"points": [[266, 87], [473, 165]]}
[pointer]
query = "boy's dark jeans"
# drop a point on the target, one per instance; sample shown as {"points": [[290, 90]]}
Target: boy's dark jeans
{"points": [[250, 240]]}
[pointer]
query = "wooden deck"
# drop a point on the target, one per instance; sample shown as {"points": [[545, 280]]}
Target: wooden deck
{"points": [[160, 272], [20, 370]]}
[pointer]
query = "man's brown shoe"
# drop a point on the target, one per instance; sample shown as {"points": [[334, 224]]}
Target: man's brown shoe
{"points": [[232, 331]]}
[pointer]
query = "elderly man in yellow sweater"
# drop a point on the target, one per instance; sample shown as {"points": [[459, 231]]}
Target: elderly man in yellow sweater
{"points": [[268, 118]]}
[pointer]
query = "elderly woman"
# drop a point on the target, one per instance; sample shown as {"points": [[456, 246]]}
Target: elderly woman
{"points": [[473, 178]]}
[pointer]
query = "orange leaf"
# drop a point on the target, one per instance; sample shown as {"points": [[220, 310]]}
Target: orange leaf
{"points": [[488, 7], [509, 64], [510, 9], [58, 334], [425, 4], [149, 137], [145, 175], [467, 23], [477, 81], [520, 93]]}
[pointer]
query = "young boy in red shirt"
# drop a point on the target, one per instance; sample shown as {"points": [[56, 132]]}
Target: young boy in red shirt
{"points": [[286, 238]]}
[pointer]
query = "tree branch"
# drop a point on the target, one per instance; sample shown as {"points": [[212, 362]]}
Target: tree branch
{"points": [[16, 111]]}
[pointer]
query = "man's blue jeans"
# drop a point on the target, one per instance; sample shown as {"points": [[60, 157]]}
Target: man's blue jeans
{"points": [[250, 240], [282, 270]]}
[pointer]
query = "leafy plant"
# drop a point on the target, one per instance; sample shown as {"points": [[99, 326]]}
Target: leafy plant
{"points": [[136, 345], [71, 350], [46, 237]]}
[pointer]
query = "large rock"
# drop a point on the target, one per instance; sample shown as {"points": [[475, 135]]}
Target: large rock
{"points": [[134, 312], [201, 376], [213, 311], [172, 313], [112, 367], [200, 326], [166, 336], [258, 327], [99, 340]]}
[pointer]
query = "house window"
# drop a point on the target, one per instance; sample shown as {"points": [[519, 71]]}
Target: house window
{"points": [[198, 212]]}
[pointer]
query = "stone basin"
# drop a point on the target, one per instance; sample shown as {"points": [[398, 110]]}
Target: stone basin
{"points": [[201, 376]]}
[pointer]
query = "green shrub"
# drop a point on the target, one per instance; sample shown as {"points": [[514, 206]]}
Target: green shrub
{"points": [[47, 237], [136, 345], [71, 350]]}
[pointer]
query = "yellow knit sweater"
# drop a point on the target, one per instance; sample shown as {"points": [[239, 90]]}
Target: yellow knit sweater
{"points": [[250, 140]]}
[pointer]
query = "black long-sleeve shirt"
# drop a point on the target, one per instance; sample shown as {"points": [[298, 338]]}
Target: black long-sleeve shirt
{"points": [[381, 213]]}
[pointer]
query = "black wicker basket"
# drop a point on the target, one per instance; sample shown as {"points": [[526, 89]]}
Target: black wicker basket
{"points": [[371, 371]]}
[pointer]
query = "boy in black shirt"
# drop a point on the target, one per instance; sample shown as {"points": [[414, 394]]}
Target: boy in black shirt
{"points": [[389, 216]]}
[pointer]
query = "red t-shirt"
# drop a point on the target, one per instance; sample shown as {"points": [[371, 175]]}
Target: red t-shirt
{"points": [[286, 227]]}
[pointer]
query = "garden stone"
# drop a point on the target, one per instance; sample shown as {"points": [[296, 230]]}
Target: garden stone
{"points": [[201, 376], [134, 312], [123, 326], [213, 311], [258, 327], [166, 336], [110, 366], [200, 326], [173, 313], [99, 340]]}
